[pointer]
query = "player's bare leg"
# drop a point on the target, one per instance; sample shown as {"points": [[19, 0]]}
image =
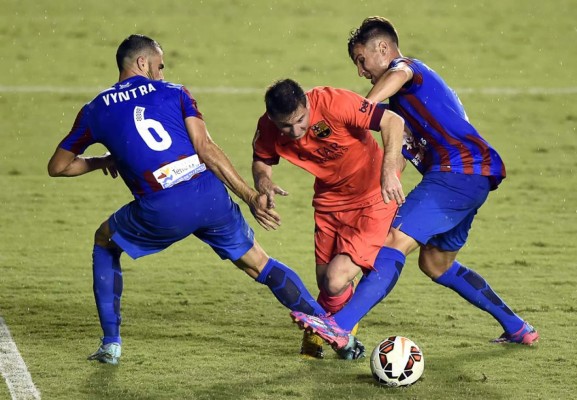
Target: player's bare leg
{"points": [[336, 282]]}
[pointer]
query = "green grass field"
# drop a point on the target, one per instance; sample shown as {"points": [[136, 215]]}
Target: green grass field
{"points": [[188, 317]]}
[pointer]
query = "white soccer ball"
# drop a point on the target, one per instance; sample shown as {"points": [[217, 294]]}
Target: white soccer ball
{"points": [[397, 361]]}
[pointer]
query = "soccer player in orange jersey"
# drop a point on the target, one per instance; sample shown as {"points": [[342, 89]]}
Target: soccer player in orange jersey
{"points": [[326, 131], [459, 167]]}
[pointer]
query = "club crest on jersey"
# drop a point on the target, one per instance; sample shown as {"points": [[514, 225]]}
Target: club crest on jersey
{"points": [[321, 130], [364, 106]]}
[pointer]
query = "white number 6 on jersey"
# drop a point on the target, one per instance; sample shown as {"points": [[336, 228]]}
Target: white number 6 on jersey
{"points": [[144, 126]]}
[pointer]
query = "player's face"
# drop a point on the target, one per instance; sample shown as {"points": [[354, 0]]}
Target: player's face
{"points": [[155, 64], [294, 125], [370, 60]]}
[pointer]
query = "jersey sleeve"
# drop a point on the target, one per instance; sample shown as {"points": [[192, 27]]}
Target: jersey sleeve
{"points": [[355, 110], [188, 105], [80, 136], [263, 144], [417, 79]]}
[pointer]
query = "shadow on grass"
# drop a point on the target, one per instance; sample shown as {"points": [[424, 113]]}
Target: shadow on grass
{"points": [[320, 379], [102, 384]]}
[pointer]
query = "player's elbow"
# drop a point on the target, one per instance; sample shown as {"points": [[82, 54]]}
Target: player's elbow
{"points": [[53, 170], [61, 162], [56, 167]]}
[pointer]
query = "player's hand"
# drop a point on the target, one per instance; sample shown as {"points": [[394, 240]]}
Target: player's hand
{"points": [[266, 216], [270, 194], [109, 166], [264, 185], [391, 189]]}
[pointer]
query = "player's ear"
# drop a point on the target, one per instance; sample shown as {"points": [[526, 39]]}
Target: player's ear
{"points": [[141, 62], [383, 46]]}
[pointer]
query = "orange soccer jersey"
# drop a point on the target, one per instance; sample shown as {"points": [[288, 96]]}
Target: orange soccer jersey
{"points": [[338, 149]]}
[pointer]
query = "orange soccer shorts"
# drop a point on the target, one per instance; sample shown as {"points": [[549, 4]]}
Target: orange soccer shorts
{"points": [[359, 233]]}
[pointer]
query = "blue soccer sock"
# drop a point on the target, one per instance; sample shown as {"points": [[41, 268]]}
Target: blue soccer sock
{"points": [[473, 288], [372, 288], [288, 288], [107, 287]]}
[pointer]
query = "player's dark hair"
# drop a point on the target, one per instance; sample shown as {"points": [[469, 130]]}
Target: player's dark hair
{"points": [[372, 27], [284, 97], [132, 46]]}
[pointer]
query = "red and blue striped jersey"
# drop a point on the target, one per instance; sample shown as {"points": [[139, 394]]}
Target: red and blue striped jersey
{"points": [[141, 122], [441, 137]]}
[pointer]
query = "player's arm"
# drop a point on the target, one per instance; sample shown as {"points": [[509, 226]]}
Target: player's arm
{"points": [[217, 161], [392, 126], [66, 163], [390, 83], [262, 175]]}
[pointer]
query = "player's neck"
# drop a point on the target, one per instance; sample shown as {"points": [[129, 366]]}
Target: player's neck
{"points": [[126, 74], [396, 54]]}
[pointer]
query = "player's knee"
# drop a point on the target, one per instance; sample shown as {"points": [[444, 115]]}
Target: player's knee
{"points": [[435, 262], [253, 261], [335, 285], [427, 269], [258, 257], [397, 239], [339, 274], [102, 236], [433, 269]]}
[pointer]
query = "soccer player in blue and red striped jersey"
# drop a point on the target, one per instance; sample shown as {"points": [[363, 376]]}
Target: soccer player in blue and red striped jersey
{"points": [[459, 169], [159, 144]]}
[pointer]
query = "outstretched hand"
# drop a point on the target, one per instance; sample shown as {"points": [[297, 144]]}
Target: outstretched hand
{"points": [[266, 216]]}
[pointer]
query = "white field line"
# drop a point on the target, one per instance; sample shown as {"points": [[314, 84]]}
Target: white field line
{"points": [[14, 369], [492, 91], [95, 90]]}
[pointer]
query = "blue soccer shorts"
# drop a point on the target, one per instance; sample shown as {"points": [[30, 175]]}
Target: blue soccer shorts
{"points": [[201, 207], [439, 211]]}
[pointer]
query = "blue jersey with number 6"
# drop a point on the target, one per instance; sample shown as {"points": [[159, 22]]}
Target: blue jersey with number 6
{"points": [[141, 122]]}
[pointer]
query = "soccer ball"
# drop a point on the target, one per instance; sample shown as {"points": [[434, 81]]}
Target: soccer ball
{"points": [[397, 361]]}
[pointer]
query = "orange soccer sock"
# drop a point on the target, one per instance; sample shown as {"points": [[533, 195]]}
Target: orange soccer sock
{"points": [[332, 304]]}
